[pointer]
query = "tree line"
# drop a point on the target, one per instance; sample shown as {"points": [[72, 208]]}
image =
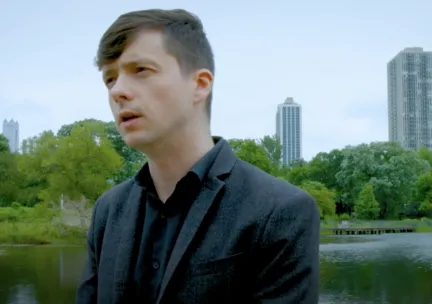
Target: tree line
{"points": [[380, 180]]}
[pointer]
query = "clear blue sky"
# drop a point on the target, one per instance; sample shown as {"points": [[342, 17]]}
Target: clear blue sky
{"points": [[329, 55]]}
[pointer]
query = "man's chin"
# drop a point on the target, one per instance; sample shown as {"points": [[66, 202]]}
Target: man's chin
{"points": [[136, 142]]}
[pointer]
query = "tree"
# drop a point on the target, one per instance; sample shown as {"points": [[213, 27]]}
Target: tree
{"points": [[426, 155], [82, 165], [4, 144], [273, 148], [367, 208], [9, 179], [250, 151], [423, 194], [323, 196], [35, 165], [133, 160], [391, 169], [325, 166], [299, 173]]}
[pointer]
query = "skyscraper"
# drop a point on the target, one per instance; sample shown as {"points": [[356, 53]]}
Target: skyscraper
{"points": [[289, 130], [409, 85], [11, 132]]}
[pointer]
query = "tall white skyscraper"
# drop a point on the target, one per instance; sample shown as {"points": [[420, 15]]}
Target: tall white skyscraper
{"points": [[11, 132], [409, 84], [289, 130]]}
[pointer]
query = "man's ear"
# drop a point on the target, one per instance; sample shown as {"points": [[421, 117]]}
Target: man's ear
{"points": [[204, 84]]}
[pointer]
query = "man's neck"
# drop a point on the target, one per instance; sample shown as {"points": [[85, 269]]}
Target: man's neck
{"points": [[174, 159]]}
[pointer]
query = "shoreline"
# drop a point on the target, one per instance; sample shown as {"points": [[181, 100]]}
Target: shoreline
{"points": [[46, 233]]}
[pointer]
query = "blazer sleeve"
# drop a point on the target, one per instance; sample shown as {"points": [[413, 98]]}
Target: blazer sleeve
{"points": [[87, 289], [289, 259]]}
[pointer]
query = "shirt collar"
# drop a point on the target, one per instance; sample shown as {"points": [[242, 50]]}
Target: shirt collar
{"points": [[200, 169]]}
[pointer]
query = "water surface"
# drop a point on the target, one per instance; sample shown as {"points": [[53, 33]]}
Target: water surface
{"points": [[393, 269]]}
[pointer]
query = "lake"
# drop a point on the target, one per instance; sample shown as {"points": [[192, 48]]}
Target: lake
{"points": [[393, 268]]}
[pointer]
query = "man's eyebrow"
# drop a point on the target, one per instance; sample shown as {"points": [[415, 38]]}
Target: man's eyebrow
{"points": [[139, 61], [108, 71], [128, 64]]}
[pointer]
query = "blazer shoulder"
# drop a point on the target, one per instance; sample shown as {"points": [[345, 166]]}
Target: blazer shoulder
{"points": [[112, 197], [276, 192]]}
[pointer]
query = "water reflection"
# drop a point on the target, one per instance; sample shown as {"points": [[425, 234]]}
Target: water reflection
{"points": [[40, 274], [394, 269]]}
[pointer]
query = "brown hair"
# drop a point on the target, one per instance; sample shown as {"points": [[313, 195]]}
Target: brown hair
{"points": [[184, 35]]}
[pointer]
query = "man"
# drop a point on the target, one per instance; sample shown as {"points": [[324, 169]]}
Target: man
{"points": [[196, 224]]}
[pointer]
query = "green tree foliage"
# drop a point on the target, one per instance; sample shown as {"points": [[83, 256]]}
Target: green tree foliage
{"points": [[323, 196], [4, 144], [298, 173], [132, 159], [367, 208], [325, 166], [273, 149], [423, 194], [78, 164], [9, 175], [252, 152], [426, 155], [391, 169], [87, 157], [9, 178], [86, 172], [35, 165]]}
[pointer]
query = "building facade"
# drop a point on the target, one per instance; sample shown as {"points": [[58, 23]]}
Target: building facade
{"points": [[11, 132], [409, 85], [289, 130]]}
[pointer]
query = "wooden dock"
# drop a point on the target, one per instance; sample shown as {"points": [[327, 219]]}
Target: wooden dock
{"points": [[356, 231]]}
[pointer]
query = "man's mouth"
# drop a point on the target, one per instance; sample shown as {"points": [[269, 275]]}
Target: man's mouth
{"points": [[124, 119], [127, 115]]}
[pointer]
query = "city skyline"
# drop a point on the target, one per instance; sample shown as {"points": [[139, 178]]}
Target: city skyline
{"points": [[409, 76], [332, 59]]}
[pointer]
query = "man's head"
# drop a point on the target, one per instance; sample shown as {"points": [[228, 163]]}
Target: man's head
{"points": [[158, 66]]}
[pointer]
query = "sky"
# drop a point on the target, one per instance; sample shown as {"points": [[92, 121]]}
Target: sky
{"points": [[330, 56]]}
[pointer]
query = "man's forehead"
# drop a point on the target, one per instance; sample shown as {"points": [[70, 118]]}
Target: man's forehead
{"points": [[144, 48]]}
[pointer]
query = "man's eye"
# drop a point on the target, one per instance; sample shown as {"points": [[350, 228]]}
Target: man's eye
{"points": [[141, 69], [109, 81]]}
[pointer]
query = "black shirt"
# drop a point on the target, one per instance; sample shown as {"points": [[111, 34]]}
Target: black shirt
{"points": [[162, 223]]}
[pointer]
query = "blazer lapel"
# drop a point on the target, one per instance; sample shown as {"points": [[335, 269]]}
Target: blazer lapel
{"points": [[192, 222], [128, 240], [222, 166]]}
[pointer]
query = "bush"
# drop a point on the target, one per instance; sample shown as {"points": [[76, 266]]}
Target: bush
{"points": [[344, 217], [24, 225]]}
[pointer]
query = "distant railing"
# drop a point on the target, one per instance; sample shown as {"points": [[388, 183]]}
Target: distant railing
{"points": [[408, 223]]}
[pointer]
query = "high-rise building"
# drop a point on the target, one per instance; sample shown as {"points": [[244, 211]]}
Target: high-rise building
{"points": [[11, 132], [289, 130], [409, 85]]}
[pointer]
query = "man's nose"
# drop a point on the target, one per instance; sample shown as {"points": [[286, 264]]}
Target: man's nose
{"points": [[120, 92]]}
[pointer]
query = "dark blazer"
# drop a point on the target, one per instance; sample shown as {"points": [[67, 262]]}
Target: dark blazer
{"points": [[252, 238]]}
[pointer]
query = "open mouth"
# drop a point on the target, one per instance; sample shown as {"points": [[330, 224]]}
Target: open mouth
{"points": [[127, 118]]}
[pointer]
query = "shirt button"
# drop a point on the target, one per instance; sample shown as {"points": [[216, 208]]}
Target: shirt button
{"points": [[162, 216], [155, 265]]}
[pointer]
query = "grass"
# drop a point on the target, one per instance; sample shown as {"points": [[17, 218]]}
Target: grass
{"points": [[39, 225]]}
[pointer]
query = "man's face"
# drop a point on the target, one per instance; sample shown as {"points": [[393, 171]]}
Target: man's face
{"points": [[149, 96]]}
